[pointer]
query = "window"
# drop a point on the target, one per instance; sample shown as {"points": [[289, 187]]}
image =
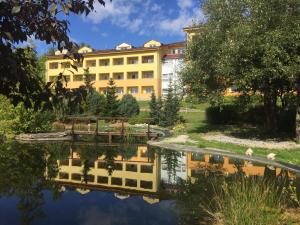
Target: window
{"points": [[53, 65], [52, 78], [90, 63], [78, 64], [217, 159], [104, 62], [132, 75], [146, 184], [118, 166], [76, 162], [118, 76], [76, 176], [103, 76], [68, 78], [132, 60], [131, 167], [133, 90], [146, 168], [147, 90], [102, 165], [64, 162], [65, 65], [78, 78], [118, 61], [64, 176], [197, 157], [131, 183], [102, 180], [91, 77], [120, 90], [116, 181], [147, 74], [148, 59]]}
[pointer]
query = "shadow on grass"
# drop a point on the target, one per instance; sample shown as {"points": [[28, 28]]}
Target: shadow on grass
{"points": [[243, 131]]}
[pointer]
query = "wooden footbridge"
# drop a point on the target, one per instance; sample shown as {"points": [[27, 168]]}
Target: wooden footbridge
{"points": [[93, 122]]}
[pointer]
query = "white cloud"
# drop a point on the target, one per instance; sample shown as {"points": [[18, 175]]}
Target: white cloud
{"points": [[145, 17]]}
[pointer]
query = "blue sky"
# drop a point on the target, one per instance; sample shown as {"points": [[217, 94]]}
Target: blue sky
{"points": [[134, 22]]}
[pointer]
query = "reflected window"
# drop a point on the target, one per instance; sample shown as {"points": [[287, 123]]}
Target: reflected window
{"points": [[198, 157], [146, 169], [116, 181], [76, 162], [102, 180], [216, 159], [64, 162], [76, 176], [101, 165], [90, 178], [118, 166], [131, 167], [63, 176], [146, 184], [131, 183]]}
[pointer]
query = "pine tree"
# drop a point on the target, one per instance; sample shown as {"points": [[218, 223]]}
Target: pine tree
{"points": [[154, 110], [170, 109], [112, 103]]}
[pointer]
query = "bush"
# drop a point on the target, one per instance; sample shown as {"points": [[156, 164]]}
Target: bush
{"points": [[128, 106], [15, 120], [139, 119], [226, 114]]}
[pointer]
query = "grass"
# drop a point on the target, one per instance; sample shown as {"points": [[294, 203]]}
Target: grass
{"points": [[196, 125], [248, 202]]}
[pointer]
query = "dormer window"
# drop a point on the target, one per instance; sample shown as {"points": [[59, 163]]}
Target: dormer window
{"points": [[124, 46]]}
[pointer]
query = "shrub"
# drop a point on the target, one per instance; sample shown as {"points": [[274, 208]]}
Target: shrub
{"points": [[139, 119], [128, 106], [226, 114], [8, 118]]}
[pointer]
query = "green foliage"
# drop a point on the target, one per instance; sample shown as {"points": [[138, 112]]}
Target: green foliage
{"points": [[250, 44], [15, 120], [128, 106], [112, 103], [154, 110], [226, 114], [96, 103], [141, 118], [170, 110]]}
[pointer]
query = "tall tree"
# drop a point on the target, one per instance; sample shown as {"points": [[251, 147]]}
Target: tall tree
{"points": [[112, 102], [250, 44], [21, 20], [154, 110]]}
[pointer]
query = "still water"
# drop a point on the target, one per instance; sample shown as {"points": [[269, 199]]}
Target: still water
{"points": [[93, 183]]}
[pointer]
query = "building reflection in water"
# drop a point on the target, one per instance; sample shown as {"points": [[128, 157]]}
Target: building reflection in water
{"points": [[137, 170]]}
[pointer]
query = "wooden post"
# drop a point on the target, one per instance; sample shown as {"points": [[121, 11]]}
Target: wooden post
{"points": [[109, 138], [72, 130]]}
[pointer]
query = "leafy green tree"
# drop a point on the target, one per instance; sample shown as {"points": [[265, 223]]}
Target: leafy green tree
{"points": [[112, 102], [154, 110], [250, 44], [128, 106], [42, 20], [96, 103]]}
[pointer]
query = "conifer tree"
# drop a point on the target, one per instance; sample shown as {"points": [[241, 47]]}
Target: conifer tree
{"points": [[154, 110], [112, 103], [170, 109]]}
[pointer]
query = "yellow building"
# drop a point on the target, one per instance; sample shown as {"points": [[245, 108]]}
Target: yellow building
{"points": [[136, 71], [137, 174]]}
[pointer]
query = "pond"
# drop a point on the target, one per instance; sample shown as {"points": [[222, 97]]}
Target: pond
{"points": [[94, 183]]}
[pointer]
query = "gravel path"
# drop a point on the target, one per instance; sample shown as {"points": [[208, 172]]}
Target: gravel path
{"points": [[251, 142]]}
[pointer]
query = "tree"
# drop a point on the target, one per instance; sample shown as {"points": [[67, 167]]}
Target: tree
{"points": [[250, 44], [171, 107], [112, 102], [128, 106], [21, 20], [154, 109], [96, 103]]}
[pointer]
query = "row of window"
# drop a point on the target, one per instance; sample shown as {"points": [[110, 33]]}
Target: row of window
{"points": [[104, 62], [117, 166], [131, 90], [106, 76], [118, 181]]}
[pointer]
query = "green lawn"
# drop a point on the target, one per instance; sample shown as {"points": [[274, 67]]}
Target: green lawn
{"points": [[196, 125]]}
